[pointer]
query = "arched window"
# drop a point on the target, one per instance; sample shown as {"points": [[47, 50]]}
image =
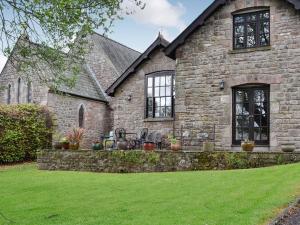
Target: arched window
{"points": [[8, 100], [19, 90], [29, 92], [81, 116]]}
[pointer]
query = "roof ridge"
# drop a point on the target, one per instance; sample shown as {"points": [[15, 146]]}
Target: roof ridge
{"points": [[123, 45]]}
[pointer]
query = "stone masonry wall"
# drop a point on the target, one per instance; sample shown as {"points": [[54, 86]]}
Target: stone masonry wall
{"points": [[130, 114], [162, 161], [66, 116], [207, 57], [10, 75]]}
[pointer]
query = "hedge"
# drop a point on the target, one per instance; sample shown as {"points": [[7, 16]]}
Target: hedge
{"points": [[23, 130]]}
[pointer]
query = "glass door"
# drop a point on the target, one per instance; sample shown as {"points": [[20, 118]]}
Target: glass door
{"points": [[251, 114]]}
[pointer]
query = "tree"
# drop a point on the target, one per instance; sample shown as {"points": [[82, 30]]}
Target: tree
{"points": [[51, 34]]}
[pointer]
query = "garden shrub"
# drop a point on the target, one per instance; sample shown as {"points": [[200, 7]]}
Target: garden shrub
{"points": [[23, 130]]}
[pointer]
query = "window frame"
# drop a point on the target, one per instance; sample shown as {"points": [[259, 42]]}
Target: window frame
{"points": [[81, 116], [251, 88], [258, 22], [154, 75]]}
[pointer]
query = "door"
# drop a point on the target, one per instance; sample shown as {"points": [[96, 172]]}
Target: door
{"points": [[251, 117]]}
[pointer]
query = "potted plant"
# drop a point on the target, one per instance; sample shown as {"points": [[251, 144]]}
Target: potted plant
{"points": [[65, 143], [75, 137], [288, 147], [248, 145], [97, 145], [175, 144], [57, 144]]}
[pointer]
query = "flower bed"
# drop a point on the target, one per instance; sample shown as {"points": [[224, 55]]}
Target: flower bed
{"points": [[159, 161]]}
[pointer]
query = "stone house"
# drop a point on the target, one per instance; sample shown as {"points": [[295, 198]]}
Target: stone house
{"points": [[85, 105], [238, 69], [233, 74]]}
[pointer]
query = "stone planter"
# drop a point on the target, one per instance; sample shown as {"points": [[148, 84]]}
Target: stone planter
{"points": [[248, 146], [288, 147], [149, 146]]}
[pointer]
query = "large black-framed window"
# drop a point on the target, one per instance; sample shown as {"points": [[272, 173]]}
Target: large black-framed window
{"points": [[251, 30], [81, 117], [251, 114], [160, 95]]}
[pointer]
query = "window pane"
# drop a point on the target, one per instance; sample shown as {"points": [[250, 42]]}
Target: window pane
{"points": [[168, 91], [239, 134], [239, 42], [256, 121], [264, 134], [239, 30], [257, 134], [245, 133], [162, 81], [242, 109], [162, 91], [157, 102], [163, 112], [168, 80], [157, 81], [157, 112], [150, 107], [150, 92], [242, 121], [163, 102], [156, 94], [168, 101], [150, 81], [169, 111], [239, 19], [251, 17]]}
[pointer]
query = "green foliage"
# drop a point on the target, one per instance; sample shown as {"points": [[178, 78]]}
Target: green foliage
{"points": [[23, 130]]}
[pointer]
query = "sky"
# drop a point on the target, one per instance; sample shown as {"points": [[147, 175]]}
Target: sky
{"points": [[141, 28]]}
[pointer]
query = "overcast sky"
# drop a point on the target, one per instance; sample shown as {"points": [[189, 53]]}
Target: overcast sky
{"points": [[141, 28]]}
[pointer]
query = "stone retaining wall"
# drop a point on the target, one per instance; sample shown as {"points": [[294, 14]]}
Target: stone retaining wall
{"points": [[160, 161]]}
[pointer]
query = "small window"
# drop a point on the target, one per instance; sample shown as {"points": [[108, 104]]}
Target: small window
{"points": [[160, 95], [19, 90], [251, 30], [81, 117], [29, 92], [8, 100]]}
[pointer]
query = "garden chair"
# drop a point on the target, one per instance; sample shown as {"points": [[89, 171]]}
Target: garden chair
{"points": [[109, 138], [141, 138]]}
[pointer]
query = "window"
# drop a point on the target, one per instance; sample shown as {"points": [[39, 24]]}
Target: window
{"points": [[160, 95], [251, 30], [29, 92], [81, 117], [8, 100], [19, 90], [251, 114]]}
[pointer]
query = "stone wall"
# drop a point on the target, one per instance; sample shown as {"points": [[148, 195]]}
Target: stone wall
{"points": [[164, 161], [131, 114], [207, 57], [10, 76], [65, 110]]}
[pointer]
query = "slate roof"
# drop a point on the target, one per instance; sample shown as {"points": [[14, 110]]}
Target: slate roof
{"points": [[171, 49], [159, 42], [120, 55], [85, 86]]}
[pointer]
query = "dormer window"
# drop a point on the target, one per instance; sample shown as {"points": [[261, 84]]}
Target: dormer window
{"points": [[251, 29]]}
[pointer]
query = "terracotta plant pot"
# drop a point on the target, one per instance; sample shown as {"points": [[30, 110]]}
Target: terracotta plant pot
{"points": [[66, 146], [97, 146], [149, 146], [248, 146], [176, 147], [288, 147], [57, 145], [74, 146]]}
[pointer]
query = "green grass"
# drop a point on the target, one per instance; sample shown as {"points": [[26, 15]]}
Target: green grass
{"points": [[241, 197]]}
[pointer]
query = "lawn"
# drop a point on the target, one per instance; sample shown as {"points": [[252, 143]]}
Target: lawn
{"points": [[240, 197]]}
